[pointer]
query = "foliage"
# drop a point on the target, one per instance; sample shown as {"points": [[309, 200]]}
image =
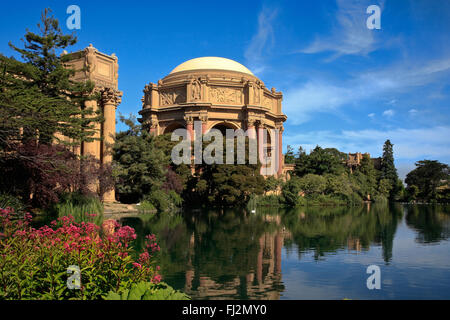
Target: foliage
{"points": [[47, 171], [312, 184], [148, 291], [291, 190], [320, 161], [272, 184], [10, 201], [289, 156], [388, 170], [385, 187], [140, 167], [34, 263], [81, 207], [37, 97], [225, 184], [426, 179], [42, 114]]}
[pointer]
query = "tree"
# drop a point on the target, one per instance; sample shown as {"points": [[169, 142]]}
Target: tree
{"points": [[291, 190], [289, 157], [388, 170], [368, 170], [38, 104], [427, 177], [38, 97], [139, 166], [313, 184], [320, 161]]}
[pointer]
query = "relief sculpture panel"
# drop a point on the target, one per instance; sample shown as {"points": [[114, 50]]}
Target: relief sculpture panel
{"points": [[173, 96], [226, 95], [267, 102]]}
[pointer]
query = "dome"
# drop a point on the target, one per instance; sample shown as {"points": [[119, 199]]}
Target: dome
{"points": [[212, 63]]}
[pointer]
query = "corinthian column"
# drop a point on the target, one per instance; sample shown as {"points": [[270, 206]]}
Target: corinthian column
{"points": [[111, 98]]}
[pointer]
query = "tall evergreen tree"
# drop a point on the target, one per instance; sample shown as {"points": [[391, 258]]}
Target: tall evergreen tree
{"points": [[37, 96], [388, 170]]}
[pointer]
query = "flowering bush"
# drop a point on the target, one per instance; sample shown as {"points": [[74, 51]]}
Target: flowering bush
{"points": [[34, 262]]}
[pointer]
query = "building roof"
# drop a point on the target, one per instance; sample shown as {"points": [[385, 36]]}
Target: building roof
{"points": [[212, 63]]}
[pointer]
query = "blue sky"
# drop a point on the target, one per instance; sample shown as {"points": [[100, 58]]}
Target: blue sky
{"points": [[344, 85]]}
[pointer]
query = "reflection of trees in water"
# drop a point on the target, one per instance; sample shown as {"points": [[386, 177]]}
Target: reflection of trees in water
{"points": [[236, 254], [326, 230], [432, 222]]}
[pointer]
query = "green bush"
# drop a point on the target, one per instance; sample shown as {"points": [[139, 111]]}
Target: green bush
{"points": [[80, 207], [148, 291], [164, 201], [9, 201], [146, 206]]}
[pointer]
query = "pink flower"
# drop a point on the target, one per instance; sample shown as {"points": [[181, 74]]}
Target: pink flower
{"points": [[137, 265]]}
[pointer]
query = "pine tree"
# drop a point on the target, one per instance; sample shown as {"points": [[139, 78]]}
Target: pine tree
{"points": [[388, 170], [37, 96]]}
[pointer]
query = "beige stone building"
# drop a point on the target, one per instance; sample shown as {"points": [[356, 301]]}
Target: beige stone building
{"points": [[219, 92], [102, 69]]}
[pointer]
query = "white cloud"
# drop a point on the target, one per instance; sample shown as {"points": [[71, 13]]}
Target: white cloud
{"points": [[371, 115], [413, 112], [388, 113], [319, 96], [262, 41], [350, 35]]}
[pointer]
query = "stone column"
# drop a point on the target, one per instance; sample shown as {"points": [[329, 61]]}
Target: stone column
{"points": [[190, 126], [251, 129], [260, 140], [111, 98], [280, 151], [93, 148], [204, 120]]}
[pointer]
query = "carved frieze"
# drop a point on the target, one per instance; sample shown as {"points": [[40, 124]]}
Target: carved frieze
{"points": [[267, 102], [173, 96], [225, 95]]}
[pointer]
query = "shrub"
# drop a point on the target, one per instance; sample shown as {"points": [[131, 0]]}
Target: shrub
{"points": [[34, 263], [148, 291], [79, 206], [10, 201]]}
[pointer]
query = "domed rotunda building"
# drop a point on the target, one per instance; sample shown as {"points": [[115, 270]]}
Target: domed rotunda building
{"points": [[219, 92]]}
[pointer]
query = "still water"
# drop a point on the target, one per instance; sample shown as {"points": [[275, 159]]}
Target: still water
{"points": [[304, 253]]}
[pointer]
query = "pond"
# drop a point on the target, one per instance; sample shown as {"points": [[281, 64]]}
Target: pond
{"points": [[304, 253]]}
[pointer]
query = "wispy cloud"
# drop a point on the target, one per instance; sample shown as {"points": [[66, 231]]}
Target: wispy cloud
{"points": [[321, 96], [350, 35], [388, 113], [262, 41]]}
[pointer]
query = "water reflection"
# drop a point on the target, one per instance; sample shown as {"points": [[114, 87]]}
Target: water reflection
{"points": [[217, 254]]}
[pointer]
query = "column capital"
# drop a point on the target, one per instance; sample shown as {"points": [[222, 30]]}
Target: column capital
{"points": [[111, 96], [251, 122], [189, 119]]}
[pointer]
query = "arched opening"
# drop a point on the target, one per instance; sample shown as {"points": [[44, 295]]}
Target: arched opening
{"points": [[223, 126], [172, 127]]}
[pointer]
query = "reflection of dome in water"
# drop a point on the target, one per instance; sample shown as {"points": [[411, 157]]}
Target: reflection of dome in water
{"points": [[211, 63]]}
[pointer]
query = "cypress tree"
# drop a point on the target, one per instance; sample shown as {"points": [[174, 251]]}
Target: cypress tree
{"points": [[388, 170]]}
